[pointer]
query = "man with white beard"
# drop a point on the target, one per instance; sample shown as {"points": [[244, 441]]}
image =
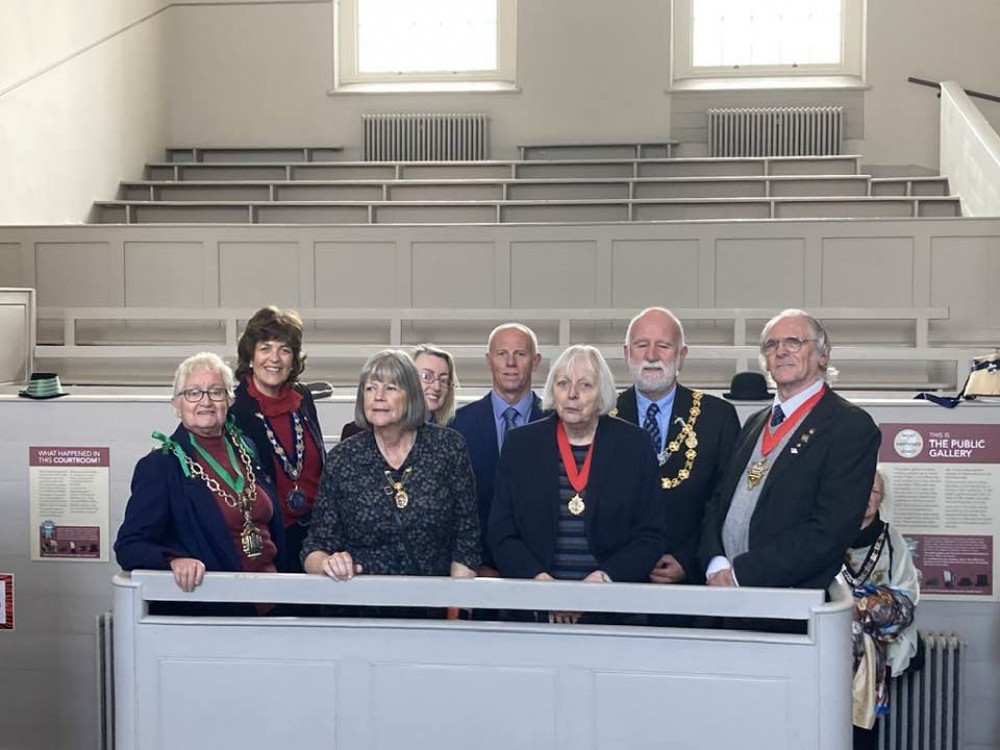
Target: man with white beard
{"points": [[691, 433]]}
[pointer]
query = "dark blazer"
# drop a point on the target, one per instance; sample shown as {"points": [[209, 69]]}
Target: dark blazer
{"points": [[716, 431], [476, 424], [625, 523], [812, 501], [244, 410], [169, 515]]}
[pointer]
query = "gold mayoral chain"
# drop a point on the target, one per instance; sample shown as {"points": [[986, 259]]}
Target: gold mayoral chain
{"points": [[689, 437], [251, 539], [396, 488]]}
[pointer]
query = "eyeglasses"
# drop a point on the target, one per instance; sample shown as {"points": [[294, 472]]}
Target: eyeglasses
{"points": [[215, 393], [429, 377], [792, 344]]}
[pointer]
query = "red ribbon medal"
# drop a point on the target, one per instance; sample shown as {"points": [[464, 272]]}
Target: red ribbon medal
{"points": [[577, 478]]}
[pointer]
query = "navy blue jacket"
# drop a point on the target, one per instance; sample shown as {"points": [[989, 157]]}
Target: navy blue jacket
{"points": [[476, 424], [625, 522], [169, 515]]}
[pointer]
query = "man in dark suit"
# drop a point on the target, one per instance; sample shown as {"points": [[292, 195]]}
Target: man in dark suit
{"points": [[691, 433], [512, 356], [796, 489]]}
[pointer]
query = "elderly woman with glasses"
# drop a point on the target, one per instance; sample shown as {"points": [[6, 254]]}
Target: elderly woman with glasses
{"points": [[439, 382], [278, 414], [399, 498], [577, 494], [201, 502]]}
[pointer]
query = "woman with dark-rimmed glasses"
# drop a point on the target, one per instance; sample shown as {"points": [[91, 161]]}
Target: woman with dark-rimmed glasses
{"points": [[201, 501]]}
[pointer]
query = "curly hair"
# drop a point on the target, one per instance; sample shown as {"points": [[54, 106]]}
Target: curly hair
{"points": [[271, 324]]}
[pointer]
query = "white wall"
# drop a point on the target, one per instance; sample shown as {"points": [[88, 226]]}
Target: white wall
{"points": [[588, 70], [261, 73], [81, 102]]}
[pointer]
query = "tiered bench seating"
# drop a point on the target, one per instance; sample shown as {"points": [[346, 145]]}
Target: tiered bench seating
{"points": [[615, 183]]}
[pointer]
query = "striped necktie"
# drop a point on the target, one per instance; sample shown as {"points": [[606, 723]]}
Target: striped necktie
{"points": [[777, 416], [652, 426]]}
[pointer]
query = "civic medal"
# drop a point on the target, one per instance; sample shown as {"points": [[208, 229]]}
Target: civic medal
{"points": [[756, 472], [296, 500], [399, 495], [577, 477], [251, 540]]}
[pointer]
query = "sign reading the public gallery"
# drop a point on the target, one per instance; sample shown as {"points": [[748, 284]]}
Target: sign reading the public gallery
{"points": [[68, 493], [943, 485]]}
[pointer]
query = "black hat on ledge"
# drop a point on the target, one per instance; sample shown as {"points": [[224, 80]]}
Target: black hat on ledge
{"points": [[748, 386], [43, 385]]}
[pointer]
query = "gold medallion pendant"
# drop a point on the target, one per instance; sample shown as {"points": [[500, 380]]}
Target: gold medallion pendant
{"points": [[756, 472], [576, 505], [251, 541], [401, 497]]}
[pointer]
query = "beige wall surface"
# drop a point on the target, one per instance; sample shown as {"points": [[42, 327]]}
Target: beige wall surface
{"points": [[587, 70], [81, 102]]}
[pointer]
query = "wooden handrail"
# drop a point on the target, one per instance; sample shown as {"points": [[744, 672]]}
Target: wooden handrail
{"points": [[937, 85]]}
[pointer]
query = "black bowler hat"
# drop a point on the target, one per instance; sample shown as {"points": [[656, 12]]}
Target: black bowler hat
{"points": [[43, 385], [748, 386]]}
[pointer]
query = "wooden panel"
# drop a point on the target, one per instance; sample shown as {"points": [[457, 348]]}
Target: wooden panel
{"points": [[702, 189], [165, 274], [10, 264], [254, 274], [277, 213], [553, 274], [760, 271], [356, 274], [77, 273], [965, 275], [869, 272], [328, 192], [456, 214], [654, 272], [554, 212], [434, 264], [567, 190], [714, 210]]}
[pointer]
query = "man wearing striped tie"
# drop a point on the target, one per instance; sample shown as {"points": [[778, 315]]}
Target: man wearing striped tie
{"points": [[691, 433], [796, 489]]}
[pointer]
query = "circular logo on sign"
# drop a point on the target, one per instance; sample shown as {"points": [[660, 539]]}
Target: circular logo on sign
{"points": [[908, 443]]}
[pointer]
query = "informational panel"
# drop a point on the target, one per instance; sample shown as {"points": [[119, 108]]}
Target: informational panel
{"points": [[943, 485], [68, 494]]}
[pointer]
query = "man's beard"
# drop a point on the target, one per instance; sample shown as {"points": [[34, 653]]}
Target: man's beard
{"points": [[653, 378]]}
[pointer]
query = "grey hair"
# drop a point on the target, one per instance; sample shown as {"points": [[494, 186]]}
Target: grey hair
{"points": [[209, 361], [823, 344], [393, 367], [447, 411], [517, 327], [568, 361], [662, 310]]}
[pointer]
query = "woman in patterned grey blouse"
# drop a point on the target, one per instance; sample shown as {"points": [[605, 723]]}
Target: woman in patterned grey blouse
{"points": [[399, 499]]}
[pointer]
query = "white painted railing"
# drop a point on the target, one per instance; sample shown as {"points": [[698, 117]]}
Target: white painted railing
{"points": [[970, 153], [229, 682]]}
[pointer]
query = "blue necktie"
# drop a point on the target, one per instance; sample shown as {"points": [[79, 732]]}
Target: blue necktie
{"points": [[509, 422], [777, 416], [652, 426]]}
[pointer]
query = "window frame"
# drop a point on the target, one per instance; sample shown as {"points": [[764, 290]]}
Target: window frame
{"points": [[852, 41], [347, 75]]}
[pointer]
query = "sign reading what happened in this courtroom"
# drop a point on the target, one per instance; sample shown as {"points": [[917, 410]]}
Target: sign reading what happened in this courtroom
{"points": [[68, 494], [943, 484], [6, 601]]}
